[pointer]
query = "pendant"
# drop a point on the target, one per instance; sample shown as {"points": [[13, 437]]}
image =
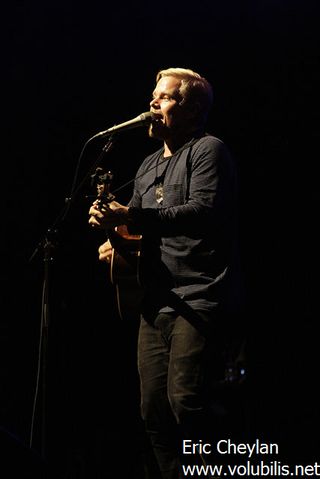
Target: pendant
{"points": [[159, 193]]}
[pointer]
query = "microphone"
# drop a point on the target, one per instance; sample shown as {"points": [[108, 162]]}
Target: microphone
{"points": [[140, 120]]}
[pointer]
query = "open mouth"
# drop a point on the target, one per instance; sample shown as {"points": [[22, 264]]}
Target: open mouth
{"points": [[156, 117]]}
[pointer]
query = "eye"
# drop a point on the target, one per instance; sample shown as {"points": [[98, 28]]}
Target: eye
{"points": [[167, 97], [163, 97]]}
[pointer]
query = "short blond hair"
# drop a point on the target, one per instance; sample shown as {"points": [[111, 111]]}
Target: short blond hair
{"points": [[195, 89]]}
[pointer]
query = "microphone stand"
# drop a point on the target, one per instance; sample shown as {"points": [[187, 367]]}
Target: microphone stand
{"points": [[48, 245]]}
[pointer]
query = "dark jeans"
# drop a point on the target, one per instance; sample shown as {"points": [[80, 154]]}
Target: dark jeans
{"points": [[173, 360]]}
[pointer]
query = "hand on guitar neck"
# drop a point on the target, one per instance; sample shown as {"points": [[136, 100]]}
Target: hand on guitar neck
{"points": [[108, 215], [105, 212]]}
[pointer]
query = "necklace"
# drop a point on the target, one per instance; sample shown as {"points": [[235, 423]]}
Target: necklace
{"points": [[159, 180]]}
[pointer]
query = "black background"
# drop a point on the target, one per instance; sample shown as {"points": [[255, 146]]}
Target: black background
{"points": [[71, 70]]}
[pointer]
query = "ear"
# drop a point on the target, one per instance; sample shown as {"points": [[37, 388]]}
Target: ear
{"points": [[193, 110]]}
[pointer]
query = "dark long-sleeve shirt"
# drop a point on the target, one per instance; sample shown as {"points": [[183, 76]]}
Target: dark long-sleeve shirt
{"points": [[185, 207]]}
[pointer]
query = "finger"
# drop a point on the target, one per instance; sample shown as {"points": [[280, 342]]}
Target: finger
{"points": [[93, 211], [102, 257], [104, 249], [105, 259], [104, 208], [97, 214], [93, 221]]}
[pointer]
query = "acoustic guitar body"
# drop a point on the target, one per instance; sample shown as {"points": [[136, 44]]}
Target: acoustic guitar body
{"points": [[124, 272]]}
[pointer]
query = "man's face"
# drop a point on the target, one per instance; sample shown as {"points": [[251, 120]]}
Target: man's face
{"points": [[170, 117]]}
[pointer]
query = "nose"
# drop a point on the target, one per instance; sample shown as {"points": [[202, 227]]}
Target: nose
{"points": [[154, 103]]}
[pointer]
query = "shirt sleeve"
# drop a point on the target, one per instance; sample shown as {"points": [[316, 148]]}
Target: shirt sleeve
{"points": [[208, 186]]}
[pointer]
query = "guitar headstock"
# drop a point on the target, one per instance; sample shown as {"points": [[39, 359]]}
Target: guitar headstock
{"points": [[102, 180]]}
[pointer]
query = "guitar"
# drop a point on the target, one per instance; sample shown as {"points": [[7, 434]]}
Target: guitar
{"points": [[125, 258]]}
